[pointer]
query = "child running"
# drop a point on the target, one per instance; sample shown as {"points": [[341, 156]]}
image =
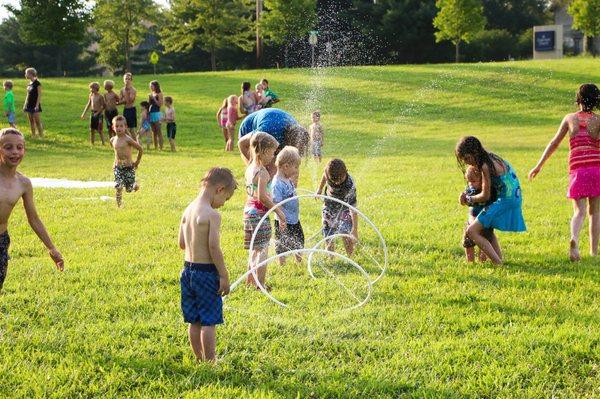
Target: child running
{"points": [[204, 277], [316, 136], [123, 167], [127, 97], [96, 102], [338, 218], [9, 103], [583, 128], [499, 184], [170, 119], [145, 132], [259, 201], [111, 100], [473, 177], [288, 165], [33, 103], [14, 186]]}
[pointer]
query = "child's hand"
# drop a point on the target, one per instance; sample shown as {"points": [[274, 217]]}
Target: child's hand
{"points": [[463, 198], [534, 172], [355, 233], [282, 222], [135, 165], [57, 258], [223, 286], [82, 116]]}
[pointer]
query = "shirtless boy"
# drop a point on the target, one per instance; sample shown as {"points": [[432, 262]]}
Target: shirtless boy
{"points": [[127, 97], [96, 102], [123, 167], [111, 100], [13, 187]]}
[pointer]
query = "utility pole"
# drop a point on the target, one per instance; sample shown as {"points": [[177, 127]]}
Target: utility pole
{"points": [[259, 8]]}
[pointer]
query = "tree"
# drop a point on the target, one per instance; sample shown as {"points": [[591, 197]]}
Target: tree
{"points": [[515, 16], [51, 22], [122, 25], [586, 18], [458, 21], [210, 24]]}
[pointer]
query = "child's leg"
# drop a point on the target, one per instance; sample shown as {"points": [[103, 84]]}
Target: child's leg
{"points": [[92, 136], [119, 196], [475, 233], [31, 124], [38, 123], [261, 255], [576, 224], [160, 136], [101, 134], [470, 254], [594, 212], [349, 245], [493, 239], [172, 144], [195, 336], [225, 133], [209, 343]]}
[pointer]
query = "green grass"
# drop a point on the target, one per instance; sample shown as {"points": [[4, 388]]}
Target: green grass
{"points": [[110, 325]]}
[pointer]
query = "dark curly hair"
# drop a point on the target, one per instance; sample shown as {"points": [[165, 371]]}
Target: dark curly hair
{"points": [[588, 96]]}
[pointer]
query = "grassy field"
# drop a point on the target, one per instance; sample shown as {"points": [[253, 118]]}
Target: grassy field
{"points": [[110, 325]]}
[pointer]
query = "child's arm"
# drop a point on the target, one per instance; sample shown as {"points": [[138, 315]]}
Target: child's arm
{"points": [[354, 218], [265, 198], [219, 116], [486, 189], [322, 184], [139, 148], [551, 147], [87, 106], [181, 239], [214, 248], [39, 98], [38, 227]]}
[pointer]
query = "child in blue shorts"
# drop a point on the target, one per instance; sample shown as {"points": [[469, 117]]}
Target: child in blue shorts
{"points": [[204, 277]]}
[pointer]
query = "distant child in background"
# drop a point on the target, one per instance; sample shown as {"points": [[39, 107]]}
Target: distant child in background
{"points": [[33, 103], [473, 177], [292, 237], [127, 97], [222, 119], [499, 183], [316, 136], [248, 99], [96, 102], [205, 278], [156, 101], [258, 202], [262, 100], [232, 117], [170, 119], [145, 133], [111, 100], [583, 128], [9, 103], [13, 187], [124, 168], [338, 218], [273, 98]]}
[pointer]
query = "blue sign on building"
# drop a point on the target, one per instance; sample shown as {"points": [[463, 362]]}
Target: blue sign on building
{"points": [[545, 41]]}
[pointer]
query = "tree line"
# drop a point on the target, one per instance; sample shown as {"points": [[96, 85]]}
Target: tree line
{"points": [[72, 37]]}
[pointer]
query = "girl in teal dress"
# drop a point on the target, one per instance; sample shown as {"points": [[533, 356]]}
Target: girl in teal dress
{"points": [[500, 185]]}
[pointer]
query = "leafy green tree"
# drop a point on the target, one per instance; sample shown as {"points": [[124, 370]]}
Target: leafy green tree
{"points": [[515, 16], [122, 25], [51, 22], [458, 21], [586, 18], [210, 24]]}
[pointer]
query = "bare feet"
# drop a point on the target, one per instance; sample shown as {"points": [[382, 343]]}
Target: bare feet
{"points": [[574, 251]]}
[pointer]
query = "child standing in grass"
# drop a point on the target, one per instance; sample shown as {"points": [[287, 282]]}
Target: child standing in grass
{"points": [[170, 119], [9, 103], [145, 131], [123, 167], [338, 218], [499, 184], [473, 177], [232, 117], [288, 165], [316, 136], [258, 202], [222, 119], [14, 186], [205, 278], [96, 102], [111, 100], [127, 97], [33, 102], [583, 128]]}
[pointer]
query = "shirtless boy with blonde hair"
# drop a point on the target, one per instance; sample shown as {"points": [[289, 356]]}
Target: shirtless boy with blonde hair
{"points": [[13, 187], [124, 168], [127, 97], [96, 102], [111, 100]]}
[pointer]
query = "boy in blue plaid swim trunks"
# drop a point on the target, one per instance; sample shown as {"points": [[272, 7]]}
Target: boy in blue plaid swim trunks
{"points": [[338, 218], [124, 168], [204, 278]]}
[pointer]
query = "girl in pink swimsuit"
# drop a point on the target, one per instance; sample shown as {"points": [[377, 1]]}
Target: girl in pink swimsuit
{"points": [[584, 165]]}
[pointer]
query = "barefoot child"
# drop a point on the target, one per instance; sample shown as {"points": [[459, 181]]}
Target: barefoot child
{"points": [[338, 218], [170, 119], [96, 102], [316, 135], [288, 164], [258, 202], [204, 277], [473, 177], [9, 103], [583, 128], [273, 98], [33, 106], [232, 117], [123, 167], [127, 97], [222, 119], [500, 184], [14, 186], [145, 132], [111, 100]]}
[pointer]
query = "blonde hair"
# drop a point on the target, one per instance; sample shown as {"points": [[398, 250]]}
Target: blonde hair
{"points": [[258, 85], [108, 83], [119, 118], [230, 100], [261, 142], [10, 130], [31, 71], [94, 85], [8, 84], [288, 155], [219, 176]]}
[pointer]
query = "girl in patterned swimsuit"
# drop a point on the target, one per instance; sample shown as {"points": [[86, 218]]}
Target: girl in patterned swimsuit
{"points": [[583, 128], [259, 201]]}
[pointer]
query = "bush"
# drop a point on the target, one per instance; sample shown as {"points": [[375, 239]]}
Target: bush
{"points": [[491, 45]]}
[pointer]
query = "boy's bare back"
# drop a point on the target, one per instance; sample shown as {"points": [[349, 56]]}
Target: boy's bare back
{"points": [[111, 100], [195, 227], [123, 145], [11, 190]]}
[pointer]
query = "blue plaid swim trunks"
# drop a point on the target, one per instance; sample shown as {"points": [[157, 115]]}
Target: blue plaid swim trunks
{"points": [[200, 300]]}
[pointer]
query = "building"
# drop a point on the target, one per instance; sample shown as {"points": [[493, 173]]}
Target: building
{"points": [[572, 38]]}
